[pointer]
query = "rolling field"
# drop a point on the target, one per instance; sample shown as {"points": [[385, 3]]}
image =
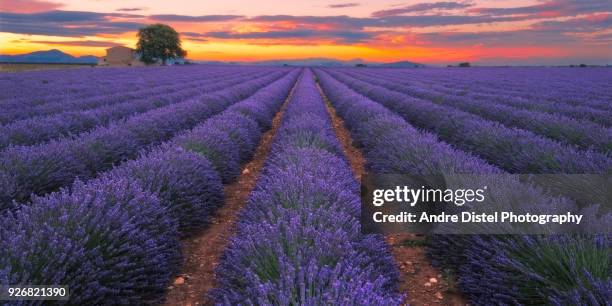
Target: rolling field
{"points": [[240, 185]]}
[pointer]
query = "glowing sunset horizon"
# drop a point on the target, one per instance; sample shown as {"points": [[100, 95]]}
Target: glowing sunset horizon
{"points": [[522, 32]]}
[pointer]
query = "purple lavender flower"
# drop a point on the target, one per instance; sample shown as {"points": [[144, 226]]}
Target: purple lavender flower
{"points": [[107, 240], [186, 184]]}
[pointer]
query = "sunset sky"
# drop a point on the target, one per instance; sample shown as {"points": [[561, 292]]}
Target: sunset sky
{"points": [[438, 32]]}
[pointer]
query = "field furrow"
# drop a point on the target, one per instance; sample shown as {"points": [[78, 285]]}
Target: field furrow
{"points": [[300, 228], [203, 250]]}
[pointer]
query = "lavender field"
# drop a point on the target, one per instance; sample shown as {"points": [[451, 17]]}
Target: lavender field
{"points": [[240, 185]]}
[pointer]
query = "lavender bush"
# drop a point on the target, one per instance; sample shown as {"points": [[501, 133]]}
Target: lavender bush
{"points": [[242, 130], [186, 184], [107, 240], [537, 270], [216, 147]]}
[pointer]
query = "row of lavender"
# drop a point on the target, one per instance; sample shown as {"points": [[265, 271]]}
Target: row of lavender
{"points": [[94, 97], [34, 88], [73, 120], [31, 102], [469, 86], [490, 269], [44, 83], [579, 88], [515, 150], [116, 237], [44, 168], [298, 240], [582, 133]]}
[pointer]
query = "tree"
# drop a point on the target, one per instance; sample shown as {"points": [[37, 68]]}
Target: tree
{"points": [[159, 42]]}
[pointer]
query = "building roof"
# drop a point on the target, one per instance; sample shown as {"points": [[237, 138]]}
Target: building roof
{"points": [[119, 47]]}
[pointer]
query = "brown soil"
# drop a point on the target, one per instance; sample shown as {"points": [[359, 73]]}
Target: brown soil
{"points": [[203, 251], [423, 283], [416, 272], [354, 156]]}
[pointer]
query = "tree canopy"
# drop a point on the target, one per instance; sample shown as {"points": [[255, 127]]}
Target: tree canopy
{"points": [[159, 42]]}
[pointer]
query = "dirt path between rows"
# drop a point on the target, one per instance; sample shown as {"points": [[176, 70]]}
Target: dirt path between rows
{"points": [[419, 280], [203, 251]]}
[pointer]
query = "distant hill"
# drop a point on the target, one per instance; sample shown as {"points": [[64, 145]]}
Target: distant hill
{"points": [[322, 62], [53, 56], [402, 64], [212, 62], [328, 62]]}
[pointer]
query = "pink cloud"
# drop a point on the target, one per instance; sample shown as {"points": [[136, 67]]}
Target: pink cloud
{"points": [[29, 6]]}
